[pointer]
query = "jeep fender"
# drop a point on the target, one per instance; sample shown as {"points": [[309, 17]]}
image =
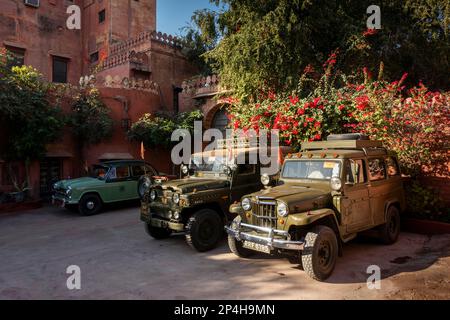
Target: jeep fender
{"points": [[310, 217], [392, 202], [236, 209]]}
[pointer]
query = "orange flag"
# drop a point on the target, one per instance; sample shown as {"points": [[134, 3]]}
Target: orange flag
{"points": [[280, 157], [142, 151]]}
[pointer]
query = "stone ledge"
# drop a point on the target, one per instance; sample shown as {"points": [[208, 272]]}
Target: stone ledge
{"points": [[18, 207], [427, 227]]}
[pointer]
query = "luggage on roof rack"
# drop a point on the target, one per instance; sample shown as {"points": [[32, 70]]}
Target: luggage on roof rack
{"points": [[347, 136], [342, 144]]}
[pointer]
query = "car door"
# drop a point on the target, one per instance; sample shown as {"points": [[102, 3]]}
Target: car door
{"points": [[357, 215], [379, 188], [246, 180], [120, 185]]}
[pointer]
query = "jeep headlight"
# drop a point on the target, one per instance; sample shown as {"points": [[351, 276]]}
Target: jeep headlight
{"points": [[153, 195], [336, 183], [246, 204], [282, 209], [184, 169], [69, 191], [176, 198], [265, 179]]}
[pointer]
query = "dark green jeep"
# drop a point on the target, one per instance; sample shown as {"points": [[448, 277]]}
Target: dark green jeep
{"points": [[198, 204]]}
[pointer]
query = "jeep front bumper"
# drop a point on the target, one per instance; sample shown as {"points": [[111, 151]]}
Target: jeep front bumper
{"points": [[157, 222], [276, 239]]}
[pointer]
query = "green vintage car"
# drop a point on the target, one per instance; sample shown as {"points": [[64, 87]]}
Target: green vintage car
{"points": [[109, 182], [327, 194]]}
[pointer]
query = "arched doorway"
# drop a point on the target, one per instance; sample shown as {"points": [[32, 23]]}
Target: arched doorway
{"points": [[220, 120]]}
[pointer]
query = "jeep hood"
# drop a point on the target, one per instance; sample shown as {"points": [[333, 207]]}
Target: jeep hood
{"points": [[298, 198], [189, 185]]}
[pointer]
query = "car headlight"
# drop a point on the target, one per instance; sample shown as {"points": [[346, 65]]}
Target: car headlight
{"points": [[153, 195], [282, 209], [176, 198], [69, 191], [246, 204], [176, 215], [184, 169], [265, 179], [55, 186], [336, 183]]}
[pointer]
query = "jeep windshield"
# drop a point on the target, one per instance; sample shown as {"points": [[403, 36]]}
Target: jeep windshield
{"points": [[99, 172], [312, 169], [209, 166]]}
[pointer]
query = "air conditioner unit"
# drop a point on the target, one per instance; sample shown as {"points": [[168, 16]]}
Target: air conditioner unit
{"points": [[33, 3]]}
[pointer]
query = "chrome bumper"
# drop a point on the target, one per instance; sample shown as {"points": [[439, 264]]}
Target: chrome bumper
{"points": [[269, 241]]}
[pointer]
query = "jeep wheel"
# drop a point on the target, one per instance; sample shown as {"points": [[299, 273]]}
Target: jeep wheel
{"points": [[204, 230], [90, 204], [320, 253], [390, 231], [157, 233], [238, 249]]}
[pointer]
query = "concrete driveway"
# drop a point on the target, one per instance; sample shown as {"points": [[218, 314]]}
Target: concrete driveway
{"points": [[119, 261]]}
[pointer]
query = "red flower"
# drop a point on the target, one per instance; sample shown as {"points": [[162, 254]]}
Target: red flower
{"points": [[370, 32], [317, 137], [341, 107], [317, 124], [293, 100], [300, 111]]}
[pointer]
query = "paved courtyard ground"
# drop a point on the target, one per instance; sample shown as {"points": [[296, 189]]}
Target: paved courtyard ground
{"points": [[119, 261]]}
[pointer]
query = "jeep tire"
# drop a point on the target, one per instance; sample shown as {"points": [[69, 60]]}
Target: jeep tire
{"points": [[237, 247], [157, 233], [390, 231], [320, 253], [90, 204], [204, 230]]}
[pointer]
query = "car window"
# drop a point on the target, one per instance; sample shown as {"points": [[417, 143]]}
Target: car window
{"points": [[356, 171], [377, 170], [311, 169], [119, 173], [392, 167], [140, 170]]}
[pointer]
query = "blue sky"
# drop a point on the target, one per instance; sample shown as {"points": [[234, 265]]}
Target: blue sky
{"points": [[175, 14]]}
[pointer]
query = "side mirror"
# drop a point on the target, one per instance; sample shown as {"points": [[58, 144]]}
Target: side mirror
{"points": [[227, 170], [184, 170]]}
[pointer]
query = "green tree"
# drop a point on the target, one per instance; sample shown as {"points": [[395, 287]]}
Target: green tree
{"points": [[156, 130], [264, 45], [90, 119], [30, 114]]}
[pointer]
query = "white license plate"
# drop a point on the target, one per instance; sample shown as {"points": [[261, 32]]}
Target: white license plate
{"points": [[160, 223], [256, 247]]}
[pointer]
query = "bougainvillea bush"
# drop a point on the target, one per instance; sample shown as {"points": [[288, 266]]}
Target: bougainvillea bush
{"points": [[414, 122]]}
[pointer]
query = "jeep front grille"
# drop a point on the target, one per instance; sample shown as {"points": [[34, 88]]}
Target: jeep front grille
{"points": [[265, 214]]}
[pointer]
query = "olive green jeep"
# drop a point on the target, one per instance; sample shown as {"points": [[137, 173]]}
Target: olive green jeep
{"points": [[326, 194], [198, 204]]}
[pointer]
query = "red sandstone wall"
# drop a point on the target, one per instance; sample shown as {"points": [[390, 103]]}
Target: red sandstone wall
{"points": [[140, 102], [41, 32]]}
